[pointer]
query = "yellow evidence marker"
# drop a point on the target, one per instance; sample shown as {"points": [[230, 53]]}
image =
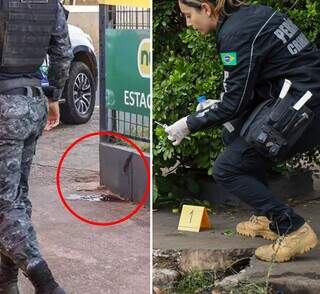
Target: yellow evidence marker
{"points": [[194, 219]]}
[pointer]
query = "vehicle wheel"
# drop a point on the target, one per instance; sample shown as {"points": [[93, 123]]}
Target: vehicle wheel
{"points": [[80, 95]]}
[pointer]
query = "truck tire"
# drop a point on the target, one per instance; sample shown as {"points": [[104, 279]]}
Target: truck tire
{"points": [[79, 94]]}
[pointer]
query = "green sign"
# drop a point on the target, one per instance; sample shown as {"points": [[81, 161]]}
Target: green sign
{"points": [[128, 63]]}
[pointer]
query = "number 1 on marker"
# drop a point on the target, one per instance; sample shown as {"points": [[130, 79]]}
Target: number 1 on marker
{"points": [[191, 215]]}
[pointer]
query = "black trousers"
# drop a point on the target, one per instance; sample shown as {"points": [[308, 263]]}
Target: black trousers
{"points": [[241, 170]]}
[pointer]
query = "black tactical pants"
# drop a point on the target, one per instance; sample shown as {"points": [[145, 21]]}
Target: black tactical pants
{"points": [[242, 172], [22, 120]]}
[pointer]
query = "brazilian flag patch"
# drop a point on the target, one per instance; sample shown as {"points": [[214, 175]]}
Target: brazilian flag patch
{"points": [[229, 58]]}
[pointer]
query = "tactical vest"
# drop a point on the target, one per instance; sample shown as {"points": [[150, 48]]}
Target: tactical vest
{"points": [[25, 31]]}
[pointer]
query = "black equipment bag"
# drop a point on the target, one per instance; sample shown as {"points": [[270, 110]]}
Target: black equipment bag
{"points": [[275, 126]]}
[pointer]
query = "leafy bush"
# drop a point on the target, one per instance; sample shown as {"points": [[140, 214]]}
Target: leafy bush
{"points": [[186, 65]]}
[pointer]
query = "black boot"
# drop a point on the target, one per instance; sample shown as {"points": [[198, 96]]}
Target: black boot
{"points": [[41, 277], [58, 290], [10, 289], [8, 276]]}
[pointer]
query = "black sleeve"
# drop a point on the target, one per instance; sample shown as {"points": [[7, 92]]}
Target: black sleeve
{"points": [[60, 56], [240, 55]]}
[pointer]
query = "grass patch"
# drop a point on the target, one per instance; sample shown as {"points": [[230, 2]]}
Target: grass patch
{"points": [[202, 282], [192, 282], [248, 288], [144, 146]]}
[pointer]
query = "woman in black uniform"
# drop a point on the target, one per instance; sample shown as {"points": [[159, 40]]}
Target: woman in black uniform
{"points": [[259, 48]]}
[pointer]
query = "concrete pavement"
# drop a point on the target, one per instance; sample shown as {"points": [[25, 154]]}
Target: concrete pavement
{"points": [[85, 259], [220, 249]]}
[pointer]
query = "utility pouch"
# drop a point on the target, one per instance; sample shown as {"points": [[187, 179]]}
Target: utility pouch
{"points": [[276, 125]]}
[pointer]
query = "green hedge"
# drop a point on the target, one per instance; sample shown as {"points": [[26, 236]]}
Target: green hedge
{"points": [[186, 65]]}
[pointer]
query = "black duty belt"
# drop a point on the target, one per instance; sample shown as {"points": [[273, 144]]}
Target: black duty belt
{"points": [[12, 84], [25, 91], [22, 86]]}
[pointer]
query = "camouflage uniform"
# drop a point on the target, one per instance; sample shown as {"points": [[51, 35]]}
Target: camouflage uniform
{"points": [[22, 120]]}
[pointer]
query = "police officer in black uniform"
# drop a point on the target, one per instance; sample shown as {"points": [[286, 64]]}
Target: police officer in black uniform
{"points": [[29, 29], [259, 48]]}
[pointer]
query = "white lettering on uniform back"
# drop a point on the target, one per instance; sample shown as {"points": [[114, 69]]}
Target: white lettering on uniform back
{"points": [[280, 35], [292, 49], [287, 30]]}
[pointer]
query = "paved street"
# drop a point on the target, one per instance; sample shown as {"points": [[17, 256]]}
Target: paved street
{"points": [[85, 259], [221, 246]]}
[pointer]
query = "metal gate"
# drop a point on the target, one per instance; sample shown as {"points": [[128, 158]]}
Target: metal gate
{"points": [[131, 124], [125, 62]]}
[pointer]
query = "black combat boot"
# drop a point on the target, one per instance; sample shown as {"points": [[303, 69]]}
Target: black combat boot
{"points": [[41, 277], [8, 276]]}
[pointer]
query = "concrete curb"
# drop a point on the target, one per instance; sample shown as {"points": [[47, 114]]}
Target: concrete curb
{"points": [[169, 265], [123, 171], [283, 280], [187, 260]]}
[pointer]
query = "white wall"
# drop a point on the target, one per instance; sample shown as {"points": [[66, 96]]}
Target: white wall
{"points": [[86, 18]]}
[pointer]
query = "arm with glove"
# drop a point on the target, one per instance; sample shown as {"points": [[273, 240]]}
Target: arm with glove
{"points": [[179, 130], [240, 75]]}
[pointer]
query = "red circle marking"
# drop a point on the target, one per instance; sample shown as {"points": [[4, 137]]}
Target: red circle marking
{"points": [[134, 211]]}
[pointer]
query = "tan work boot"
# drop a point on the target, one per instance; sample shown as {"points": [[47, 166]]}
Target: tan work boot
{"points": [[257, 226], [287, 247]]}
